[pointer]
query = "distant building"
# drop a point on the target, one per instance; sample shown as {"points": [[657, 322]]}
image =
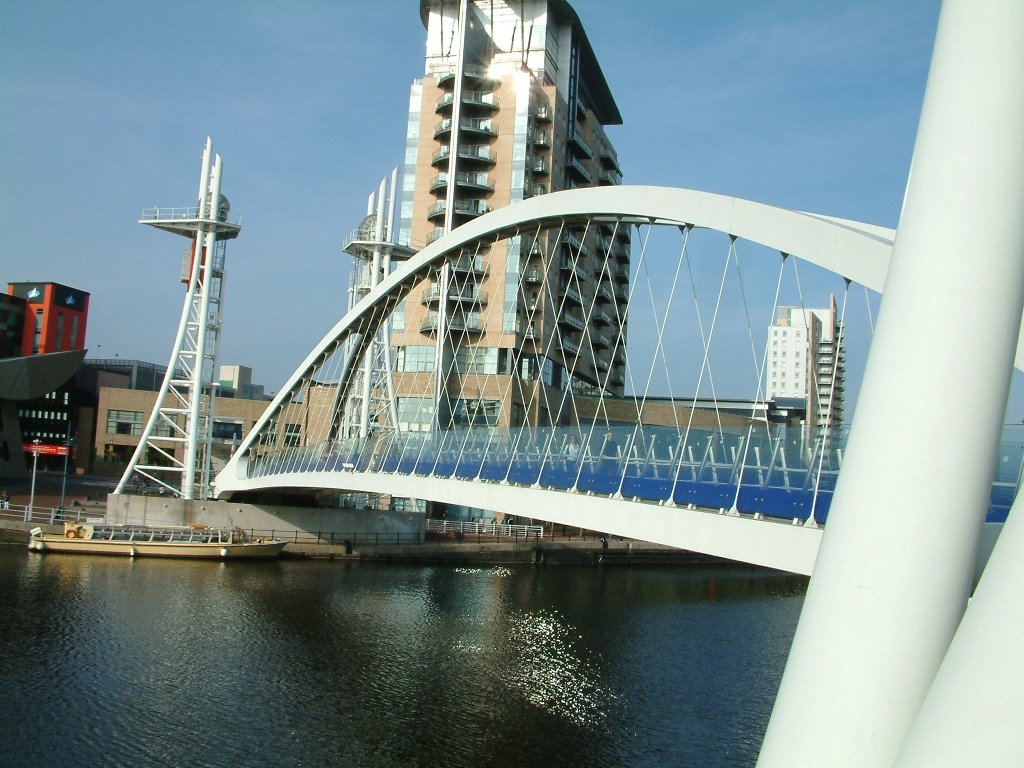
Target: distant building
{"points": [[126, 393], [236, 381], [55, 318], [12, 324], [45, 322], [807, 362]]}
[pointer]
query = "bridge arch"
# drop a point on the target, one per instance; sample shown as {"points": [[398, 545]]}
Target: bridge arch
{"points": [[859, 252]]}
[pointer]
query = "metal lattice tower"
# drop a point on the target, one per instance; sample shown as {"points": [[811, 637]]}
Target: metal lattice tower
{"points": [[371, 401], [174, 449]]}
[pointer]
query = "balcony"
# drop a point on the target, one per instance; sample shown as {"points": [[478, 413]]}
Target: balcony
{"points": [[478, 75], [470, 208], [600, 317], [569, 347], [576, 140], [533, 276], [572, 295], [469, 98], [467, 294], [540, 138], [480, 126], [577, 167], [609, 178], [456, 323], [467, 264], [526, 329], [604, 294], [543, 114], [570, 320], [568, 264], [473, 153], [475, 181], [599, 341], [538, 167], [575, 242], [609, 159]]}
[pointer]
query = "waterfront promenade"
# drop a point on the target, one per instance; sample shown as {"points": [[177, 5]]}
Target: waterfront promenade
{"points": [[445, 543]]}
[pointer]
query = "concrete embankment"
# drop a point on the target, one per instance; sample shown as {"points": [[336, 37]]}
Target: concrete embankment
{"points": [[543, 552], [464, 552]]}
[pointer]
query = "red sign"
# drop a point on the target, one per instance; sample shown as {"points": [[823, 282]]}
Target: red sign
{"points": [[45, 450]]}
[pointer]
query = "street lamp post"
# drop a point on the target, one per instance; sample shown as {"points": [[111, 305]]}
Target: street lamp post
{"points": [[35, 466], [68, 442]]}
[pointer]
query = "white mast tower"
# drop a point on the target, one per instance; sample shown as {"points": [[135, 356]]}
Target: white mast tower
{"points": [[374, 249], [174, 450]]}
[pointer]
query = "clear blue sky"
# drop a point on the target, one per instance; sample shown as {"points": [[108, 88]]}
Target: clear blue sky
{"points": [[105, 105]]}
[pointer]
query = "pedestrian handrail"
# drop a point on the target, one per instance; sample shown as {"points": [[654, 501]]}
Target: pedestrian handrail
{"points": [[22, 513], [485, 529]]}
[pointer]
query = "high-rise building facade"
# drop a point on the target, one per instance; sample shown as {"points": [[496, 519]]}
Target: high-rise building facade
{"points": [[512, 104], [807, 361]]}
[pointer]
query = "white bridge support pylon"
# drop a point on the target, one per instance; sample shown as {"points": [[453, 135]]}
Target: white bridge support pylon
{"points": [[872, 680], [174, 450]]}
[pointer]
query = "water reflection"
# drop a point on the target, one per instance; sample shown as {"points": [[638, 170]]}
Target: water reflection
{"points": [[174, 663]]}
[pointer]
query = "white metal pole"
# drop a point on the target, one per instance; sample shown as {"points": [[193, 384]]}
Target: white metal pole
{"points": [[32, 491], [199, 367], [896, 561], [64, 478], [972, 715]]}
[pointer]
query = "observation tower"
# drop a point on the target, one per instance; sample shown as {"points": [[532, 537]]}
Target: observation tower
{"points": [[174, 450]]}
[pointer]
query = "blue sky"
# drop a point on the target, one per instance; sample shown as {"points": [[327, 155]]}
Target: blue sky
{"points": [[104, 108]]}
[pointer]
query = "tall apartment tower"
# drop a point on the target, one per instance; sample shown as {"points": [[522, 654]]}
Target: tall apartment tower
{"points": [[512, 104], [807, 361]]}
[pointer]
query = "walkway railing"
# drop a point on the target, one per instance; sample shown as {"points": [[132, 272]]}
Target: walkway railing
{"points": [[20, 513], [773, 472], [467, 528]]}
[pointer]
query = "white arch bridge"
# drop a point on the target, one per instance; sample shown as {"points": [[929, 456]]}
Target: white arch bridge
{"points": [[705, 280]]}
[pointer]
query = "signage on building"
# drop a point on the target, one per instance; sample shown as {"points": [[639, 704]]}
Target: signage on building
{"points": [[62, 295], [45, 450]]}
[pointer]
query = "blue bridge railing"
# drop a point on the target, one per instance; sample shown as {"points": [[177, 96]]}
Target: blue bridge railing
{"points": [[778, 472]]}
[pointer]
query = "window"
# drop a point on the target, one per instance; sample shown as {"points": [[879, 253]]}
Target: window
{"points": [[227, 430], [476, 413], [415, 414], [416, 359], [124, 422], [477, 360], [292, 435], [37, 338]]}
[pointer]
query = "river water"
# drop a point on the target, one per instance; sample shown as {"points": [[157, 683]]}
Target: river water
{"points": [[113, 662]]}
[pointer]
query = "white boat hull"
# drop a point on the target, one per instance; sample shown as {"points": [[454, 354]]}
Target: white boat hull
{"points": [[140, 542]]}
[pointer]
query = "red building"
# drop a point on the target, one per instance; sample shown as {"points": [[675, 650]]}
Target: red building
{"points": [[55, 317], [43, 326]]}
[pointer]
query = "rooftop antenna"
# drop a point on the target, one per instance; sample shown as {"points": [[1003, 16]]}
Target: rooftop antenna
{"points": [[174, 450]]}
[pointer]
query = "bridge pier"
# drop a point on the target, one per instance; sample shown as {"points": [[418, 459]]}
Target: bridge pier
{"points": [[895, 567]]}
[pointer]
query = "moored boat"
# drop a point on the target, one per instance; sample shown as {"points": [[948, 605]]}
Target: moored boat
{"points": [[155, 541]]}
